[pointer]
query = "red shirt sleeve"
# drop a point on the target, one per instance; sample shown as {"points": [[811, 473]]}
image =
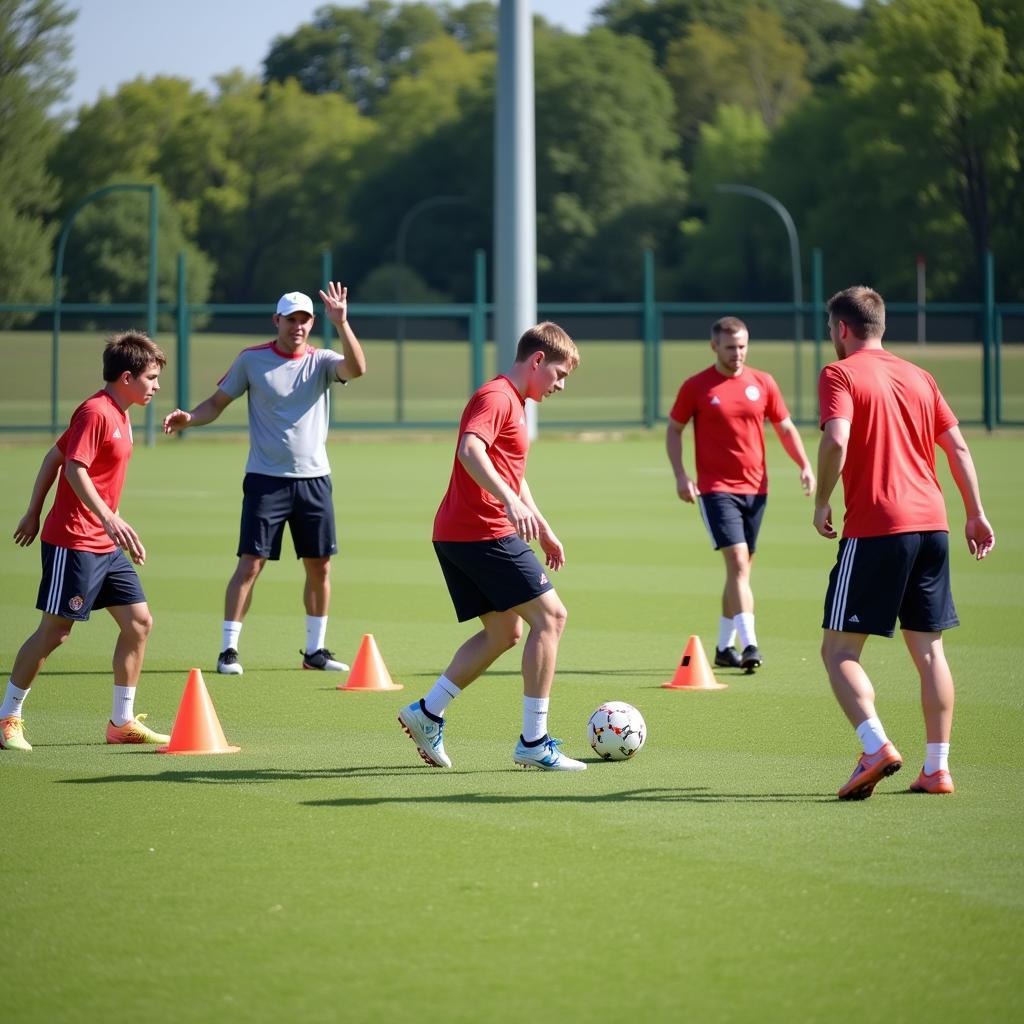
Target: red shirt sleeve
{"points": [[775, 408], [684, 406], [486, 415], [944, 416], [82, 440], [835, 399]]}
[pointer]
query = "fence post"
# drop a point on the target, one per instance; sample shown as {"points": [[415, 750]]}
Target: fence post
{"points": [[988, 342], [326, 274], [818, 312], [650, 342], [151, 323], [478, 320], [183, 338]]}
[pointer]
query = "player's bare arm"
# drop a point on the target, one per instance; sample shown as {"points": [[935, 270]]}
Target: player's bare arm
{"points": [[28, 526], [794, 446], [205, 412], [686, 487], [554, 553], [472, 453], [835, 437], [981, 538], [120, 532], [335, 301]]}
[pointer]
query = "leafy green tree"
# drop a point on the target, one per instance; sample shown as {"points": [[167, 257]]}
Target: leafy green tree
{"points": [[107, 256], [605, 150], [34, 51], [361, 52], [758, 68]]}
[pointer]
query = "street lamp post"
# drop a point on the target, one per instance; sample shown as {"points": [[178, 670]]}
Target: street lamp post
{"points": [[58, 273], [400, 239], [794, 258], [794, 246]]}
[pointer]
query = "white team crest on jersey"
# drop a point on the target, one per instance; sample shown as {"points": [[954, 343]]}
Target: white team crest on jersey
{"points": [[117, 434], [753, 392]]}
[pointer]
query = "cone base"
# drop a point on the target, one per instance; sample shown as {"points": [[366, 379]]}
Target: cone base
{"points": [[370, 689], [694, 686], [219, 750]]}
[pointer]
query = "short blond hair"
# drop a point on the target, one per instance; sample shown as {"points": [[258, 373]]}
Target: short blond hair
{"points": [[549, 338]]}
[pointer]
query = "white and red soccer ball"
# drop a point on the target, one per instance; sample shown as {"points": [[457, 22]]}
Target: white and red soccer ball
{"points": [[617, 731]]}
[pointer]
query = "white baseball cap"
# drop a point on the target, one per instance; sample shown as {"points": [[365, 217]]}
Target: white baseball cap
{"points": [[293, 302]]}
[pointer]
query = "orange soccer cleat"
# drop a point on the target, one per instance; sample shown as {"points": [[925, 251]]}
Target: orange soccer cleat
{"points": [[938, 782], [870, 770], [134, 731]]}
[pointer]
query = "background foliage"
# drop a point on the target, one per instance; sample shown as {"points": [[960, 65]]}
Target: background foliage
{"points": [[888, 131]]}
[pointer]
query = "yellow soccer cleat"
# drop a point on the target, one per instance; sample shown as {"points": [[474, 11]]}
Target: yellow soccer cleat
{"points": [[12, 734], [134, 732]]}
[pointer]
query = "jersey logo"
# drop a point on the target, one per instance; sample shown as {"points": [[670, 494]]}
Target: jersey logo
{"points": [[522, 420], [117, 434], [715, 400], [853, 618], [753, 392], [543, 579], [75, 604]]}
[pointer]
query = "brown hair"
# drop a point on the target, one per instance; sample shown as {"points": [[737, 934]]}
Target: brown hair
{"points": [[862, 309], [727, 325], [132, 351], [550, 339]]}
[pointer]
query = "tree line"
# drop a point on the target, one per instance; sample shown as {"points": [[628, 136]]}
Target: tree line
{"points": [[888, 131]]}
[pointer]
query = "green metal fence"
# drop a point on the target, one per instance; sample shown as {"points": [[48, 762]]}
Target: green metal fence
{"points": [[424, 359]]}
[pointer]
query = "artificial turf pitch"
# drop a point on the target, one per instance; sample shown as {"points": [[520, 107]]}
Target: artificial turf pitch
{"points": [[324, 874]]}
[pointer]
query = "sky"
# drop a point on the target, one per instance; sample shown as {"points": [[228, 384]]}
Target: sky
{"points": [[115, 41]]}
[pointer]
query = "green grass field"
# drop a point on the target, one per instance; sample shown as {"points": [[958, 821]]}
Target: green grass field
{"points": [[324, 874], [435, 378]]}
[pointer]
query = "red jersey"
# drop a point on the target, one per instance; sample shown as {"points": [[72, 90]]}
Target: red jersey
{"points": [[728, 416], [896, 412], [100, 437], [497, 415]]}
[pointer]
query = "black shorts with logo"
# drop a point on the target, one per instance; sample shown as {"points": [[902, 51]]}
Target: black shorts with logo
{"points": [[732, 518], [878, 579], [75, 582], [490, 575], [305, 504]]}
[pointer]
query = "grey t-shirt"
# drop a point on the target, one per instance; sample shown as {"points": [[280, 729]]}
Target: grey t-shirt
{"points": [[289, 407]]}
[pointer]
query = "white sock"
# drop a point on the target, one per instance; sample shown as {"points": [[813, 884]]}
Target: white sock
{"points": [[535, 718], [744, 623], [441, 694], [230, 632], [936, 758], [316, 633], [726, 633], [13, 699], [124, 704], [872, 735]]}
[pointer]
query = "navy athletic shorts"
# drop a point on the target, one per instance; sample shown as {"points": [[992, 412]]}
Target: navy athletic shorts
{"points": [[76, 582], [878, 579], [732, 518], [306, 505], [490, 575]]}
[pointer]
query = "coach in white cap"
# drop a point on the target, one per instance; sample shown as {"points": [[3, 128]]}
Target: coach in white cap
{"points": [[287, 477]]}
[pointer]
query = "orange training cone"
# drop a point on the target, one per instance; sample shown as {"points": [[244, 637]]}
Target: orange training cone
{"points": [[694, 672], [368, 670], [196, 728]]}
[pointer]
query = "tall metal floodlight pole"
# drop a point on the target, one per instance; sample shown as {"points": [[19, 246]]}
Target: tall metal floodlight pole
{"points": [[515, 188]]}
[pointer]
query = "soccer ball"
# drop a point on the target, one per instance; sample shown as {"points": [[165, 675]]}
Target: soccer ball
{"points": [[616, 731]]}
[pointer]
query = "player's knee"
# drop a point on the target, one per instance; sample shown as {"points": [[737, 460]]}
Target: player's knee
{"points": [[58, 633], [512, 634], [556, 619]]}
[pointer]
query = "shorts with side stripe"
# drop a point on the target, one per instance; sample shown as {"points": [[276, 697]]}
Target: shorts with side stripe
{"points": [[75, 582], [732, 518], [877, 580]]}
